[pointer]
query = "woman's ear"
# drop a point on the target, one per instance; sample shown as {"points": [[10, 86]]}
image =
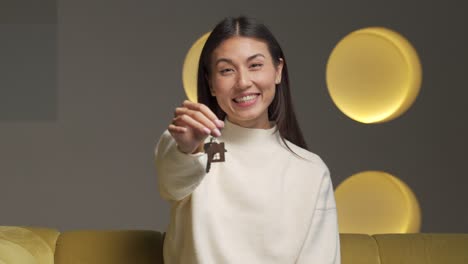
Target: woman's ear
{"points": [[279, 70]]}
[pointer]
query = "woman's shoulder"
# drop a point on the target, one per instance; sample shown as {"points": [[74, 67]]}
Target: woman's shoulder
{"points": [[305, 156]]}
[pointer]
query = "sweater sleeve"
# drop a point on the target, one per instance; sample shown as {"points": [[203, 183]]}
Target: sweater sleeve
{"points": [[178, 173], [322, 243]]}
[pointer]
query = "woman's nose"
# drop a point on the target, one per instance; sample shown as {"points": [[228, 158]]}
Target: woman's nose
{"points": [[243, 79]]}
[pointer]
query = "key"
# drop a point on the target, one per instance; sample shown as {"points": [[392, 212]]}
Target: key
{"points": [[211, 149]]}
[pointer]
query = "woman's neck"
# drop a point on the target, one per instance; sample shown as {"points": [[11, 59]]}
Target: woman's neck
{"points": [[255, 123]]}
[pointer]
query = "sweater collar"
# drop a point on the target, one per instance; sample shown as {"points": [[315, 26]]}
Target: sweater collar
{"points": [[243, 136]]}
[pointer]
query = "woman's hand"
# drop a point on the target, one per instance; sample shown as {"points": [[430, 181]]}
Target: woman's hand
{"points": [[192, 123]]}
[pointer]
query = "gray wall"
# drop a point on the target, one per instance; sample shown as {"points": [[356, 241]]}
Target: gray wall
{"points": [[78, 152]]}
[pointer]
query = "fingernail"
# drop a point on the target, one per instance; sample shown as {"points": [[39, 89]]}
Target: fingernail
{"points": [[216, 132], [219, 123], [207, 130]]}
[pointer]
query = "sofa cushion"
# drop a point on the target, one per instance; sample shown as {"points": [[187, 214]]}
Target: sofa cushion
{"points": [[49, 235], [12, 253], [29, 241], [357, 248], [109, 247], [423, 248]]}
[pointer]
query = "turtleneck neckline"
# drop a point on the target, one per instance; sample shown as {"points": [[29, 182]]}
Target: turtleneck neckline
{"points": [[244, 136]]}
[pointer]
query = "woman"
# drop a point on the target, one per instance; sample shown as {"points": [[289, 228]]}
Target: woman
{"points": [[262, 197]]}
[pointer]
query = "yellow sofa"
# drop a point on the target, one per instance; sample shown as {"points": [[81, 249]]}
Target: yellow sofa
{"points": [[35, 245]]}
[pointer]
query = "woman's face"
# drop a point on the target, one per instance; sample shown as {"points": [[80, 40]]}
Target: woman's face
{"points": [[243, 79]]}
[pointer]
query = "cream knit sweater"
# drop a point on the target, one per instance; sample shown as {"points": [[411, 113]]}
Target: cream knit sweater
{"points": [[262, 205]]}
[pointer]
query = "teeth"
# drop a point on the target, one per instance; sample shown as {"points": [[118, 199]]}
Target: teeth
{"points": [[245, 98]]}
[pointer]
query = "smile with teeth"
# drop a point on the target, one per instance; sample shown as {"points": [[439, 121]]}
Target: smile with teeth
{"points": [[246, 98]]}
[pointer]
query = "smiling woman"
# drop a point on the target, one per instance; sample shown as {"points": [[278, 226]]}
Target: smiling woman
{"points": [[243, 80], [234, 211]]}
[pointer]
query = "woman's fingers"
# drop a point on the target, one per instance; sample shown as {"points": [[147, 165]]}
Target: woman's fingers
{"points": [[199, 117], [187, 120], [199, 114], [206, 111], [176, 129], [192, 123], [196, 116]]}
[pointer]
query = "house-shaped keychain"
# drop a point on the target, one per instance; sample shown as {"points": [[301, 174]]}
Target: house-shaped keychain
{"points": [[215, 152]]}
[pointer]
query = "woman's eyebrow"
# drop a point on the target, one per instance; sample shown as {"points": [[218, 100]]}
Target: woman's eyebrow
{"points": [[223, 60], [230, 61], [255, 56]]}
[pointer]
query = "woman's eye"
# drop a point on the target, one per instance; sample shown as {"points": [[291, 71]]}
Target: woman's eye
{"points": [[256, 65], [225, 70]]}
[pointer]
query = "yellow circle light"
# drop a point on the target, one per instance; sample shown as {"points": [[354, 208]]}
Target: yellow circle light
{"points": [[373, 75], [375, 202], [190, 68]]}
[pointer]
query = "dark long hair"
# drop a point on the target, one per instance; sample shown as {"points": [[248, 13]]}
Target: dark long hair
{"points": [[281, 109]]}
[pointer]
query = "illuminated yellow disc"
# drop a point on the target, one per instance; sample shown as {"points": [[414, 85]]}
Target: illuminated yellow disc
{"points": [[373, 75], [375, 202], [190, 69]]}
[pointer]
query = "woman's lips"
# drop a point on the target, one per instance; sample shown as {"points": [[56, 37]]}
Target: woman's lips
{"points": [[250, 100]]}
